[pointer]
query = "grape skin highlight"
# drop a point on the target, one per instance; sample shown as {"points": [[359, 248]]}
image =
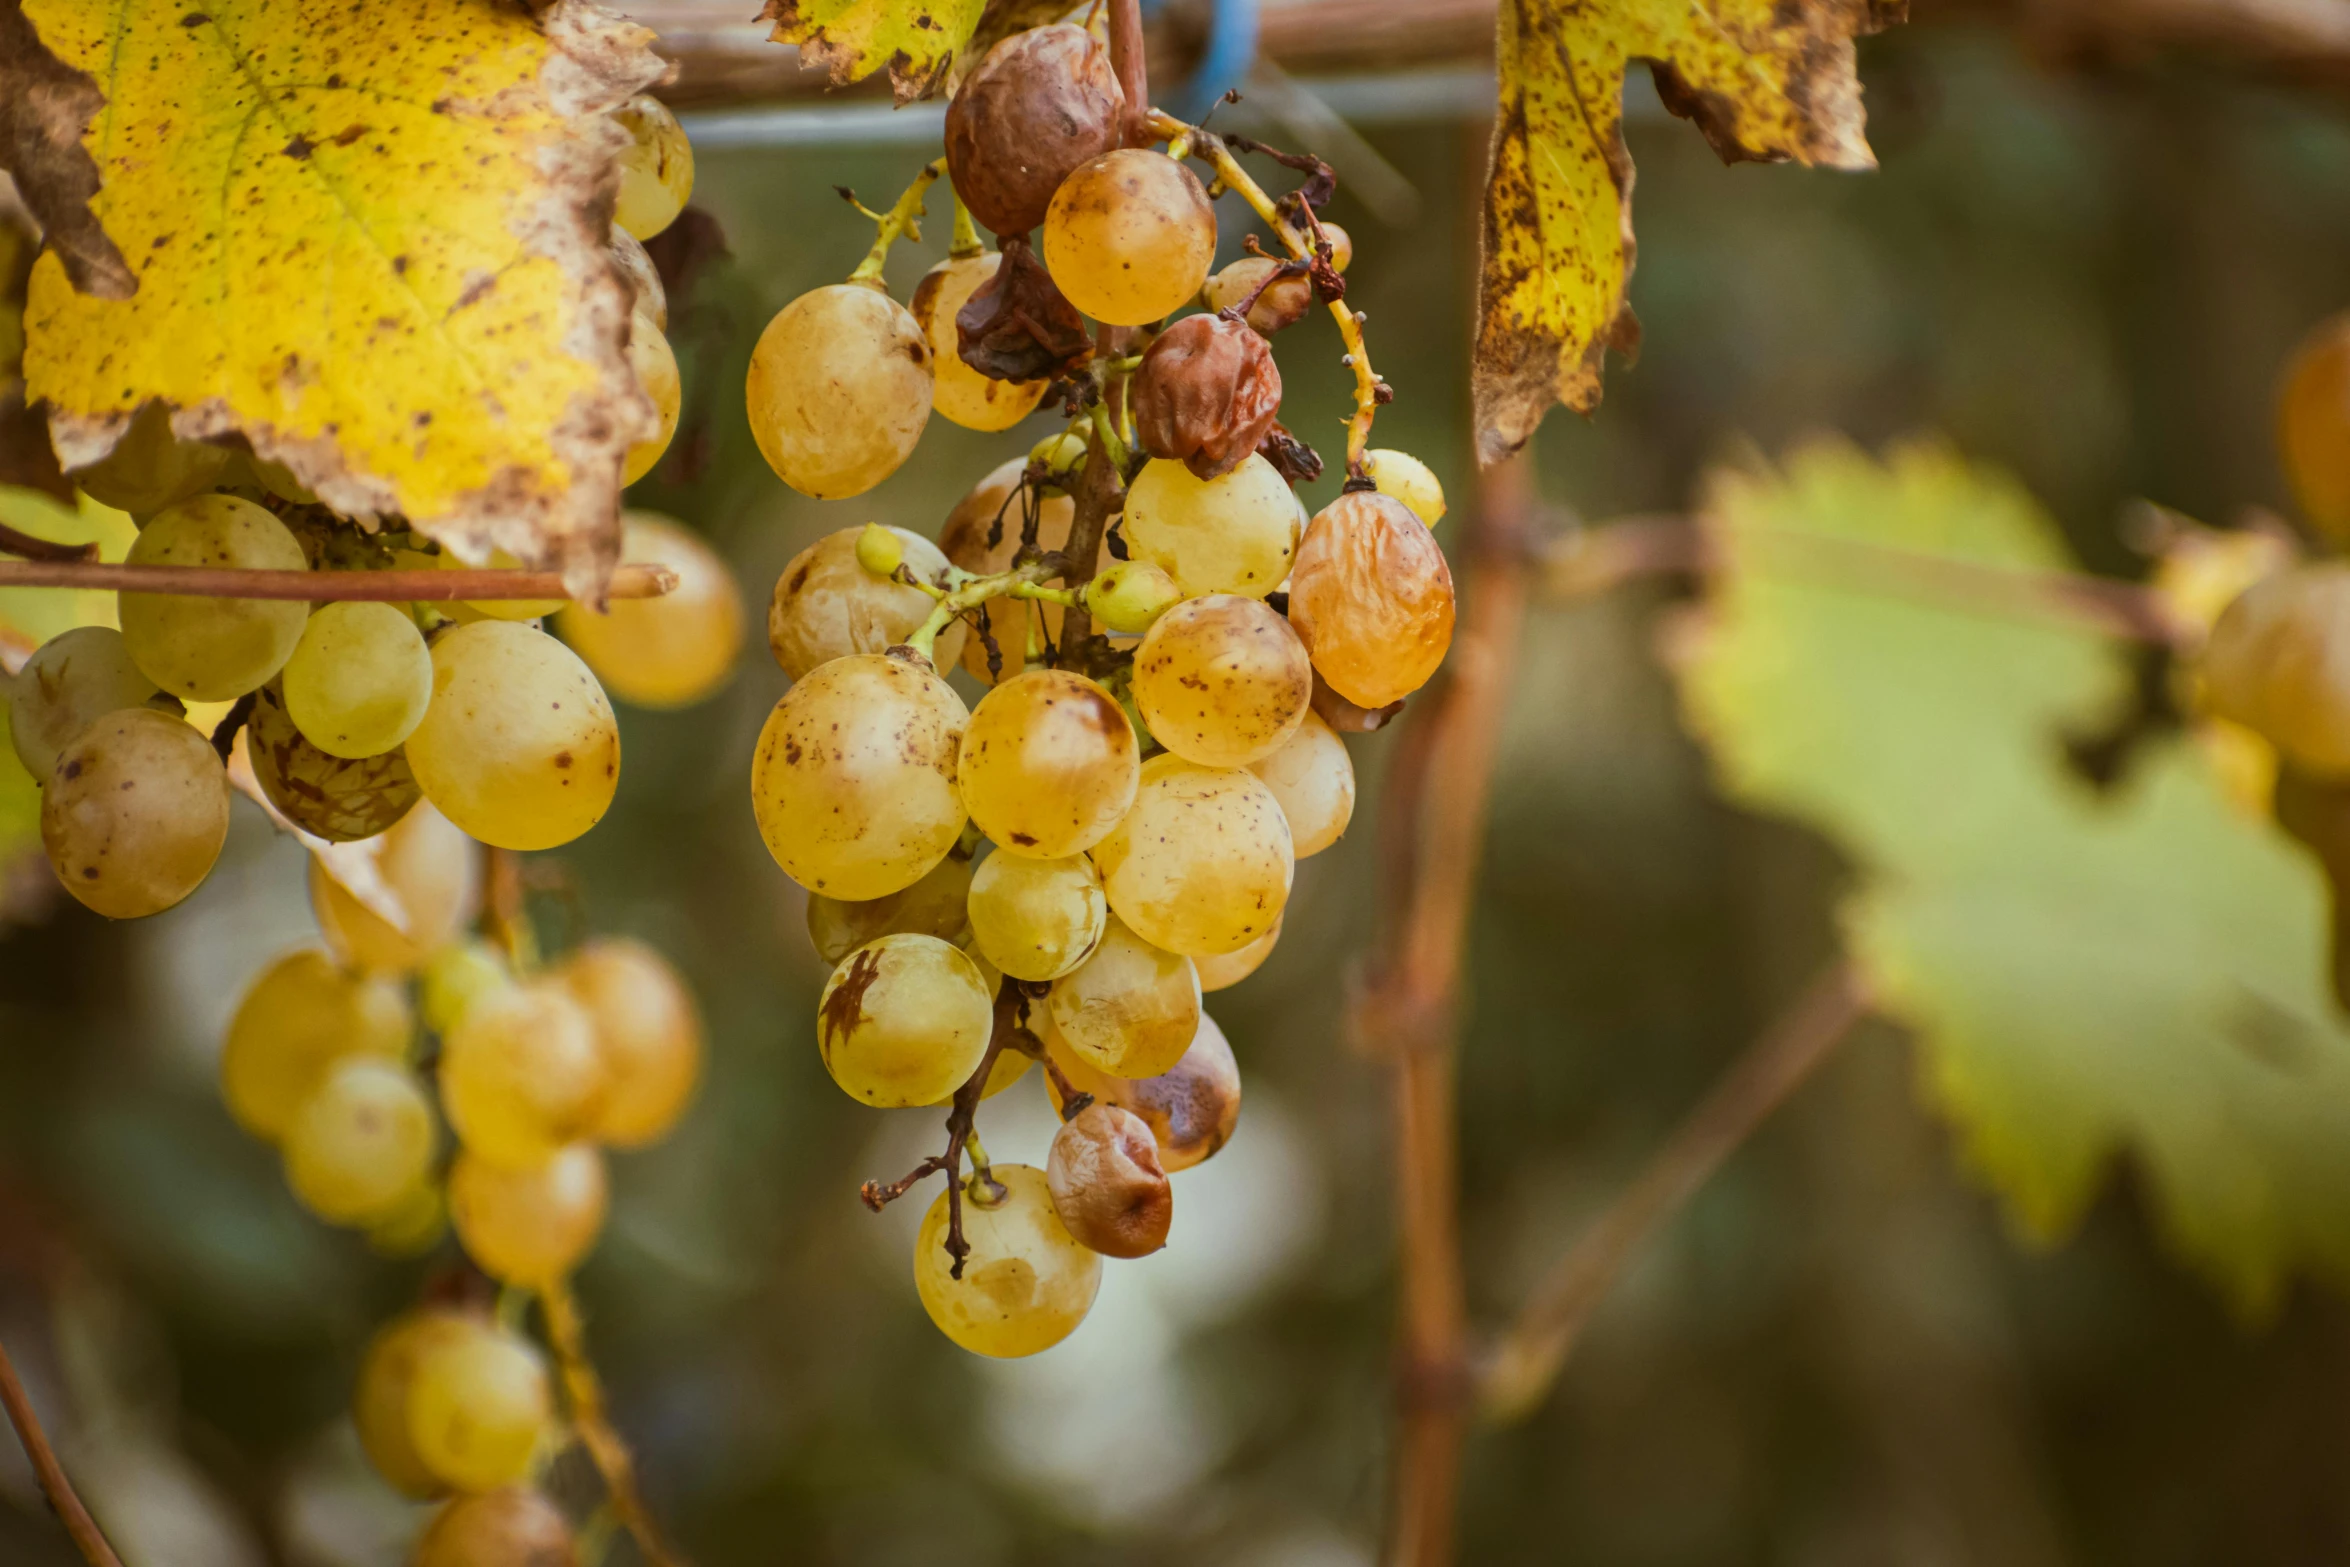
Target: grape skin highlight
{"points": [[387, 1376], [1372, 596]]}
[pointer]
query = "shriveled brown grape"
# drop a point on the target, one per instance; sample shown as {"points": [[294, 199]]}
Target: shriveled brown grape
{"points": [[1038, 104], [962, 394], [1107, 1182], [337, 798], [1372, 596], [1206, 393], [1191, 1108]]}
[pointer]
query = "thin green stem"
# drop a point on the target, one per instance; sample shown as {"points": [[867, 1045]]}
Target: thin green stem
{"points": [[966, 240], [1022, 582], [901, 221], [1105, 432]]}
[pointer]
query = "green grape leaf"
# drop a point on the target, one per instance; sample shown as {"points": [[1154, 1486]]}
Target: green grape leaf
{"points": [[2089, 976], [915, 41]]}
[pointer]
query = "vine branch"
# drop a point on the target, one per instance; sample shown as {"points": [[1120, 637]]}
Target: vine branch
{"points": [[320, 587], [902, 220], [1010, 1005], [88, 1538], [24, 544], [590, 1419]]}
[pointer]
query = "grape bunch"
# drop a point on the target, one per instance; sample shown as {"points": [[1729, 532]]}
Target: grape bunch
{"points": [[353, 712], [1057, 872]]}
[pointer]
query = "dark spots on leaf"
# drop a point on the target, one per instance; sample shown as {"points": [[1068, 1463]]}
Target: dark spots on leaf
{"points": [[400, 266], [349, 134], [194, 19], [299, 147]]}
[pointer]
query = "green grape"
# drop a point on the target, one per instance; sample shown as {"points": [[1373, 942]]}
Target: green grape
{"points": [[853, 782], [1222, 680], [1026, 1284], [1191, 1108], [1227, 969], [1233, 534], [455, 977], [279, 480], [827, 605], [962, 394], [1037, 919], [529, 1227], [494, 609], [965, 541], [1061, 454], [1409, 480], [1107, 1183], [1314, 779], [1130, 236], [648, 296], [362, 1144], [433, 876], [1202, 863], [904, 1021], [839, 390], [387, 1377], [478, 1407], [340, 799], [937, 905], [149, 469], [1131, 1009], [1048, 764], [1131, 596], [359, 679], [520, 1074], [70, 682], [136, 813], [2278, 662], [300, 1020], [657, 169], [519, 747], [2313, 426], [648, 1031], [654, 364], [213, 649], [671, 651], [1372, 596], [509, 1527]]}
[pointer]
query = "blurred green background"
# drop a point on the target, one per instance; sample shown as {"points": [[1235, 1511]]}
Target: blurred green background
{"points": [[1836, 1357]]}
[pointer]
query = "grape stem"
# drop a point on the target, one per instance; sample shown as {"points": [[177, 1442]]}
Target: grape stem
{"points": [[1010, 1012], [590, 1419], [87, 1536], [24, 544], [902, 220], [1024, 581], [321, 587], [1127, 59], [966, 240]]}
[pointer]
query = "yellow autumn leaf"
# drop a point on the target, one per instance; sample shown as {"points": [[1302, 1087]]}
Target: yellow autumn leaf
{"points": [[372, 241], [1766, 80], [915, 41]]}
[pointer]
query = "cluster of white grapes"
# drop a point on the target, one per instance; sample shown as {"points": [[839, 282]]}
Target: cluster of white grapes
{"points": [[1146, 793]]}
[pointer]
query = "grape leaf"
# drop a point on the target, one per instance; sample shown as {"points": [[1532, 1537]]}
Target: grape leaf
{"points": [[2140, 973], [915, 41], [1764, 79], [26, 458], [371, 241]]}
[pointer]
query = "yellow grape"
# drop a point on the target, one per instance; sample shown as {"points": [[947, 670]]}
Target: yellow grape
{"points": [[1191, 1108], [340, 799], [213, 649], [1233, 534], [839, 390], [1314, 779], [362, 1145], [359, 679], [937, 905], [136, 813], [904, 1020], [965, 541], [827, 605], [962, 394], [1222, 680], [1226, 970], [433, 873], [648, 296], [494, 609], [1371, 594], [387, 1377], [296, 1023], [529, 1227], [2313, 426], [509, 1527], [520, 1074], [1409, 480], [654, 364], [1010, 1065], [648, 1031], [519, 748], [670, 651], [656, 170], [454, 978], [1131, 1009], [1130, 236], [1202, 864], [853, 782], [478, 1407], [1048, 764], [1130, 597], [2278, 662], [70, 682], [1026, 1284], [149, 469], [1037, 919]]}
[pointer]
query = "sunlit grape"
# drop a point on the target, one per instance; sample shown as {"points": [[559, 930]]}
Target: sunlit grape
{"points": [[937, 905], [71, 681], [648, 1031], [1107, 1183], [520, 1074], [136, 813], [1037, 919], [1409, 480], [656, 169], [994, 508], [213, 649], [529, 1227], [1227, 969], [827, 605], [1131, 1009], [1222, 680], [296, 1023], [149, 469], [648, 296], [1314, 779], [670, 651], [340, 799], [1130, 236], [904, 1021], [1372, 596], [509, 1527], [360, 1145], [1026, 1284], [1202, 863], [359, 679], [962, 394], [433, 873], [387, 1376], [519, 747], [454, 978], [478, 1407], [1130, 596], [654, 364], [853, 781], [839, 390], [1048, 764], [1191, 1108], [1232, 534]]}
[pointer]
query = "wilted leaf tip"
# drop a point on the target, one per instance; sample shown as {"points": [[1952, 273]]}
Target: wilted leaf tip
{"points": [[45, 108]]}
